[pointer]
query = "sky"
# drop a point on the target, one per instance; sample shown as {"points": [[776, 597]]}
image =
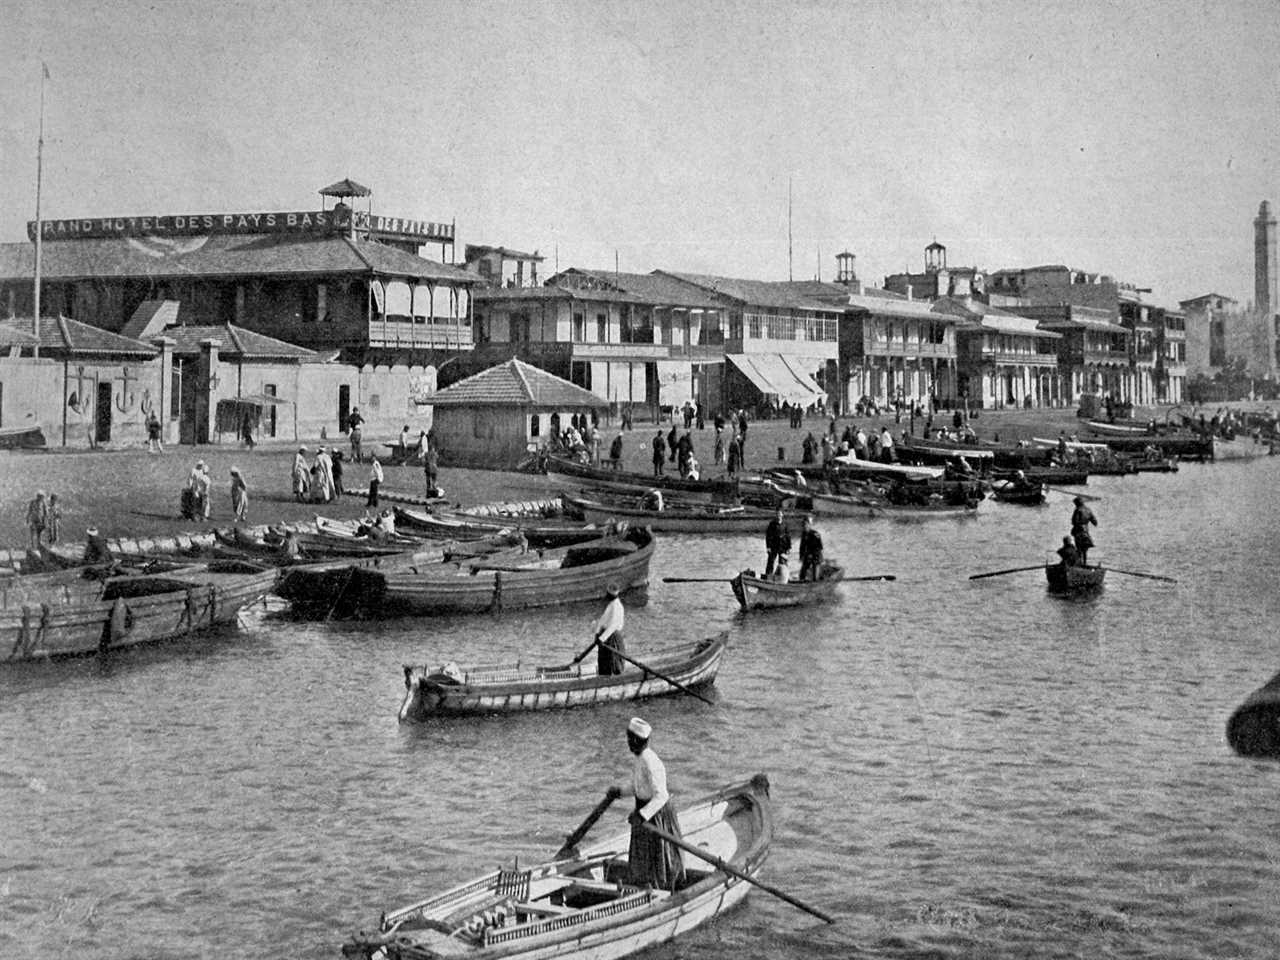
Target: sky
{"points": [[1131, 139]]}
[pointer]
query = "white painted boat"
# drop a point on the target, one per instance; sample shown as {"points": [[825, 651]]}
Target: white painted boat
{"points": [[1099, 448], [874, 468], [586, 906], [510, 688], [1243, 447]]}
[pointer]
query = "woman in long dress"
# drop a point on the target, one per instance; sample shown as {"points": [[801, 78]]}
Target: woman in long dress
{"points": [[301, 475]]}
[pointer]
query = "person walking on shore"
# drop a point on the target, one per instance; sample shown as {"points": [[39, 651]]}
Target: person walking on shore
{"points": [[430, 467], [37, 519], [335, 465], [153, 434], [659, 454], [239, 496], [55, 519], [354, 422], [301, 475]]}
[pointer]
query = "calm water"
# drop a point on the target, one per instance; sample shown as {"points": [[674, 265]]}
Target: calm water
{"points": [[961, 769]]}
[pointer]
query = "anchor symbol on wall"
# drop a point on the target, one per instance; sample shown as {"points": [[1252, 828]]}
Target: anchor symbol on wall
{"points": [[146, 406], [80, 401], [124, 399]]}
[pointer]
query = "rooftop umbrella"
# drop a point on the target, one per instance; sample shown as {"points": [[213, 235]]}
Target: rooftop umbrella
{"points": [[346, 188]]}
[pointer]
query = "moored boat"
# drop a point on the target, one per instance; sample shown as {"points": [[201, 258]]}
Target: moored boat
{"points": [[63, 614], [1254, 727], [1028, 493], [22, 438], [586, 906], [759, 593], [538, 531], [1242, 447], [719, 489], [673, 518], [1073, 578], [508, 688], [874, 468]]}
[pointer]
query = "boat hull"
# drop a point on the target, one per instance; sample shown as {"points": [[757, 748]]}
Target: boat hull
{"points": [[552, 688], [673, 519], [124, 612], [22, 438], [734, 824], [757, 593], [1073, 579], [874, 468], [1254, 727]]}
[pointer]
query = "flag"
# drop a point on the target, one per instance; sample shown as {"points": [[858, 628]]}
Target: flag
{"points": [[44, 67]]}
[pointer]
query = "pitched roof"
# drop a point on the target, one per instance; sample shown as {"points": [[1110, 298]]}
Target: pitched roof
{"points": [[655, 288], [554, 293], [64, 335], [1207, 296], [11, 335], [975, 315], [236, 342], [515, 384], [763, 293], [220, 255]]}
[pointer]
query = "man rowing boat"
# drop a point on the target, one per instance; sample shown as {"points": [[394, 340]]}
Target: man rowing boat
{"points": [[652, 861]]}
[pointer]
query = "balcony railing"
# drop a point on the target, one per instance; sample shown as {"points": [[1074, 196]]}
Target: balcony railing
{"points": [[425, 336]]}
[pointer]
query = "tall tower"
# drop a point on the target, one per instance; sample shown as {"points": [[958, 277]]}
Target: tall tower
{"points": [[845, 271], [1266, 268]]}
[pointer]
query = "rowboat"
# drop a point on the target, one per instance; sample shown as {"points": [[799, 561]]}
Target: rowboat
{"points": [[760, 593], [1254, 727], [21, 438], [1103, 428], [874, 468], [586, 906], [64, 614], [1185, 445], [942, 452], [719, 489], [508, 688], [538, 531], [1242, 447], [870, 506], [673, 518], [1030, 494], [1073, 579], [1054, 476]]}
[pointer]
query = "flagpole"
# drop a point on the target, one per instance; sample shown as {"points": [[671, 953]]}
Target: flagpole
{"points": [[35, 318]]}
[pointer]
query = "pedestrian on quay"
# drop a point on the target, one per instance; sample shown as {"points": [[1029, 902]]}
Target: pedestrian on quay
{"points": [[354, 432], [301, 475], [735, 454], [375, 481], [430, 467], [37, 519], [246, 431], [55, 519], [659, 454], [239, 496], [336, 467], [719, 447], [651, 861], [615, 451], [153, 434], [673, 439]]}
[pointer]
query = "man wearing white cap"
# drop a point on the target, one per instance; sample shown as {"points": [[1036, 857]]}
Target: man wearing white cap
{"points": [[651, 861]]}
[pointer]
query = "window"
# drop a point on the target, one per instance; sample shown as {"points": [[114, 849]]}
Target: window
{"points": [[579, 327], [602, 328], [535, 425]]}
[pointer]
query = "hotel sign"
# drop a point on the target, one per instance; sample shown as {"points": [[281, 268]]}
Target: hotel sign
{"points": [[313, 222]]}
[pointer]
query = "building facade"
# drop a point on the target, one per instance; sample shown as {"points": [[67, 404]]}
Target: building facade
{"points": [[1093, 354], [1002, 359]]}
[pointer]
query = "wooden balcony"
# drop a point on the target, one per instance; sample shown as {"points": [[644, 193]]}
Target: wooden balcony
{"points": [[420, 336]]}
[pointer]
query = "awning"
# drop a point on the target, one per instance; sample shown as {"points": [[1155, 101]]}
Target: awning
{"points": [[256, 400], [776, 375]]}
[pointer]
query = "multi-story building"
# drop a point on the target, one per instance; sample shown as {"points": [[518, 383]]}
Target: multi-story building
{"points": [[1093, 354], [643, 340], [938, 279], [1171, 355], [781, 343], [1002, 359], [1206, 322], [502, 266]]}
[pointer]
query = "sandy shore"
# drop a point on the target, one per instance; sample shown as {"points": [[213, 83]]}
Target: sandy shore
{"points": [[131, 493]]}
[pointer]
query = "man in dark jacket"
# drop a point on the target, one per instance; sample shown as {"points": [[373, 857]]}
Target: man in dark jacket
{"points": [[659, 453], [810, 550], [777, 540]]}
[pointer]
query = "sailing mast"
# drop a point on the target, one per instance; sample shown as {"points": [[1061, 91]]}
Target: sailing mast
{"points": [[35, 317]]}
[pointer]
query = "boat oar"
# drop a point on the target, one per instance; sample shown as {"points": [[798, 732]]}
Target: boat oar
{"points": [[1001, 573], [662, 676], [697, 579], [569, 848], [1149, 576], [719, 864], [1072, 493]]}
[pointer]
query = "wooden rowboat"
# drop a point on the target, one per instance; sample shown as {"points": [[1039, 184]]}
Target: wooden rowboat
{"points": [[719, 489], [874, 468], [586, 907], [21, 438], [1073, 579], [758, 593], [508, 688], [538, 531], [63, 614], [673, 518]]}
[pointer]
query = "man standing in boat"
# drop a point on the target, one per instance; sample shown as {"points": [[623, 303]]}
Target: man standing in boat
{"points": [[1081, 518], [810, 551], [609, 635], [777, 541], [651, 861]]}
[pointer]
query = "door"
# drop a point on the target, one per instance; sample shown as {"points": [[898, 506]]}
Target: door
{"points": [[344, 406], [102, 414], [270, 390]]}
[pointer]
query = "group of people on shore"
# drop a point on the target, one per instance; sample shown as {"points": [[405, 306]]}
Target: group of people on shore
{"points": [[44, 519], [852, 442], [196, 494]]}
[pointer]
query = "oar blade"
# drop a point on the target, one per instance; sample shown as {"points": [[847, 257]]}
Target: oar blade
{"points": [[1001, 573]]}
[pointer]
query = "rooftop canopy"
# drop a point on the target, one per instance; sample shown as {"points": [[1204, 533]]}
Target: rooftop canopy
{"points": [[346, 188]]}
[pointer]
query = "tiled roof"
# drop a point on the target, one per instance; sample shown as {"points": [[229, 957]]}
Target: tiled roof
{"points": [[655, 288], [236, 342], [884, 306], [516, 384], [1207, 296], [975, 315], [64, 335], [219, 256], [554, 293], [12, 335], [761, 293]]}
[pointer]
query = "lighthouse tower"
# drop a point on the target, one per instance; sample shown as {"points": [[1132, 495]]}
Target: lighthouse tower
{"points": [[1266, 296]]}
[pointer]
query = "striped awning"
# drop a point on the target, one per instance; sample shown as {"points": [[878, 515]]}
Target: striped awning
{"points": [[776, 375]]}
